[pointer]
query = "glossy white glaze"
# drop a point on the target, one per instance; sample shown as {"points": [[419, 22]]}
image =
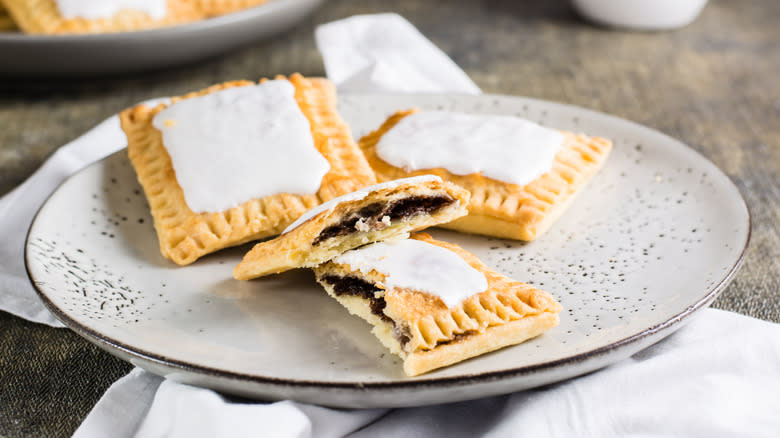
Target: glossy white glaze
{"points": [[356, 196], [504, 148], [96, 9], [419, 266], [239, 144]]}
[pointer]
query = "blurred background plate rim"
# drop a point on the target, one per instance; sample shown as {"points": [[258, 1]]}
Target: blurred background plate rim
{"points": [[36, 46], [272, 7]]}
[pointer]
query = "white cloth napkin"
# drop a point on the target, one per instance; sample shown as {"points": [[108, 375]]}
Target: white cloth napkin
{"points": [[719, 376], [385, 53]]}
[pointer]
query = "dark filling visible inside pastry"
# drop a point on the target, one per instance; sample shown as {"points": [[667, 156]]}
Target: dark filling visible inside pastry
{"points": [[370, 217], [402, 334], [457, 338], [363, 289], [415, 205]]}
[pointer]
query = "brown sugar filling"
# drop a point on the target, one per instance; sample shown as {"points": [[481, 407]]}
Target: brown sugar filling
{"points": [[360, 288], [457, 338], [363, 289], [370, 217]]}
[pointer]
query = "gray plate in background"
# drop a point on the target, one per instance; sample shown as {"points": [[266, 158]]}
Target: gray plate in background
{"points": [[128, 52]]}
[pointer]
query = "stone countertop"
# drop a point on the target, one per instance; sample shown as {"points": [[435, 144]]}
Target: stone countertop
{"points": [[714, 85]]}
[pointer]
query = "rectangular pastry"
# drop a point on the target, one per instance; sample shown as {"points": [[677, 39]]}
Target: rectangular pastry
{"points": [[390, 210], [521, 176], [73, 16], [433, 303], [240, 161]]}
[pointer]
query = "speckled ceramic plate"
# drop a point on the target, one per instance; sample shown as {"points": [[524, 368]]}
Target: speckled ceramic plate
{"points": [[129, 52], [653, 238]]}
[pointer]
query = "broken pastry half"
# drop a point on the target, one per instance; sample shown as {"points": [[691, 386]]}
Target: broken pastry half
{"points": [[390, 210], [521, 175], [240, 161], [433, 303]]}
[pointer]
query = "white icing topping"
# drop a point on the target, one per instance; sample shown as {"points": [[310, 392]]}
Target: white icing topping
{"points": [[504, 148], [420, 266], [239, 144], [356, 196], [96, 9]]}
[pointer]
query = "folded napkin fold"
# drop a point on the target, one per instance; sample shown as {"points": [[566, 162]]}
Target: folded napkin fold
{"points": [[719, 376], [385, 53], [144, 405]]}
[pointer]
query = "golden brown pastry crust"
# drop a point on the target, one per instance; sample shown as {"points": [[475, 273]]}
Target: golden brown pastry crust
{"points": [[507, 313], [185, 236], [508, 210], [6, 22], [213, 8], [43, 17], [299, 247]]}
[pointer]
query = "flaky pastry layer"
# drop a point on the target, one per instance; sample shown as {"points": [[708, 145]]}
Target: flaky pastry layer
{"points": [[43, 17], [508, 210], [426, 333], [184, 236], [308, 245]]}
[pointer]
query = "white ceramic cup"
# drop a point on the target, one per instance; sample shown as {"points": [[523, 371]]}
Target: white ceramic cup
{"points": [[641, 14]]}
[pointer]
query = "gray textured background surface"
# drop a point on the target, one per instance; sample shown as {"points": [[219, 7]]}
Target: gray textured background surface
{"points": [[715, 85]]}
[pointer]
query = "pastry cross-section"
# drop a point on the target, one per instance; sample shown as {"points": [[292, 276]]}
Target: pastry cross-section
{"points": [[45, 17], [502, 209], [424, 331], [390, 210], [185, 235]]}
